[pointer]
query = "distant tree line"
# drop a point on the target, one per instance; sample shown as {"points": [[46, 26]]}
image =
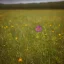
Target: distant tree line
{"points": [[50, 5]]}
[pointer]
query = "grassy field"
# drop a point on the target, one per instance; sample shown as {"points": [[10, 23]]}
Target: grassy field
{"points": [[20, 43]]}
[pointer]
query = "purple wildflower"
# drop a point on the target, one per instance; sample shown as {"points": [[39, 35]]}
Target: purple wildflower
{"points": [[38, 28]]}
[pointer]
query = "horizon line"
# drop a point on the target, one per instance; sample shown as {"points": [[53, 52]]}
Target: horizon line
{"points": [[29, 2]]}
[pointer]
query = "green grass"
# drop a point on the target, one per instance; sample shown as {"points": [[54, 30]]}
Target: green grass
{"points": [[18, 38]]}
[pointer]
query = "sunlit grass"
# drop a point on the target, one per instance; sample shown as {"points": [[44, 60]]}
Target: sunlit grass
{"points": [[20, 43]]}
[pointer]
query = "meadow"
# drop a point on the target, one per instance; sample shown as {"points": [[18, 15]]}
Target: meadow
{"points": [[21, 43]]}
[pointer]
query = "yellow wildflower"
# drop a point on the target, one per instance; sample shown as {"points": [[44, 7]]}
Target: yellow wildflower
{"points": [[59, 34], [50, 25], [20, 60], [5, 27], [16, 38]]}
